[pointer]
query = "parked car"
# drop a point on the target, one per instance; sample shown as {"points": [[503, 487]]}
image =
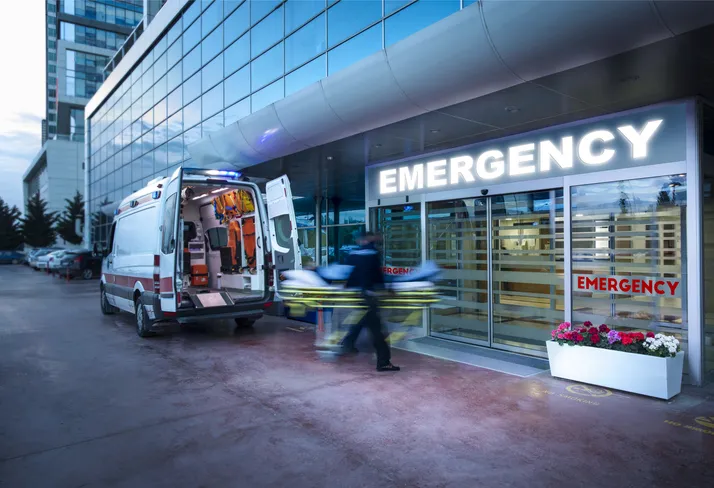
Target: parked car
{"points": [[11, 257], [44, 260], [39, 253], [80, 263], [53, 263]]}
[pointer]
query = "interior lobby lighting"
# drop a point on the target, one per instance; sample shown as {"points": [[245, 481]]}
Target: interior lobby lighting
{"points": [[200, 196], [219, 190]]}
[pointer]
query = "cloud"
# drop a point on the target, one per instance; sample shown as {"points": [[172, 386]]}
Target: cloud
{"points": [[19, 143]]}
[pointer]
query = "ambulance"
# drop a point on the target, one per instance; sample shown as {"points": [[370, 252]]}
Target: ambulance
{"points": [[201, 244]]}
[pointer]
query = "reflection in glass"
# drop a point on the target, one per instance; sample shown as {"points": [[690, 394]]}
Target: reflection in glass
{"points": [[633, 228], [174, 53], [191, 37], [175, 101], [175, 125], [348, 17], [305, 44], [299, 12], [458, 243], [237, 85], [192, 88], [191, 62], [237, 55], [213, 124], [267, 33], [212, 102], [267, 68], [369, 42], [212, 45], [310, 73], [211, 17], [527, 250], [237, 111], [416, 17], [212, 73], [192, 113], [237, 23], [392, 5], [269, 94], [259, 8]]}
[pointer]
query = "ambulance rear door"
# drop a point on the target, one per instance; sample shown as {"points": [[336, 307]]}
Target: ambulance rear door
{"points": [[282, 226]]}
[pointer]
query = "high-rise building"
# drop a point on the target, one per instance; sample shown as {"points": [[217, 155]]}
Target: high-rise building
{"points": [[550, 155], [82, 36]]}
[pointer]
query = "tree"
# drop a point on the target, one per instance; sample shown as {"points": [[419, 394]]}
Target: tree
{"points": [[100, 222], [10, 236], [38, 225], [66, 223]]}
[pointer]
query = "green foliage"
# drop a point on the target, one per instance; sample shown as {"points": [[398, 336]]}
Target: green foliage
{"points": [[38, 225], [66, 223], [10, 236]]}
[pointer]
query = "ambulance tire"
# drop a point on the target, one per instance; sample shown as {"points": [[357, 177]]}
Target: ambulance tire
{"points": [[244, 323], [107, 309], [143, 323]]}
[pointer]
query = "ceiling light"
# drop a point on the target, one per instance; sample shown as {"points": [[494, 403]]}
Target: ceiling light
{"points": [[434, 131], [512, 109], [297, 197], [329, 158], [579, 215], [219, 190], [377, 145], [200, 196]]}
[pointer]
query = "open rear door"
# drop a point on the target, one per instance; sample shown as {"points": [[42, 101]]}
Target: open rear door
{"points": [[283, 227], [166, 261]]}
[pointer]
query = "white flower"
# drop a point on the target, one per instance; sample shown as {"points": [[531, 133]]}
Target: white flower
{"points": [[659, 336], [650, 340]]}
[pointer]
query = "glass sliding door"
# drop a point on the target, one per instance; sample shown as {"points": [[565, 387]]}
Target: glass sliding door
{"points": [[400, 226], [458, 243], [527, 268]]}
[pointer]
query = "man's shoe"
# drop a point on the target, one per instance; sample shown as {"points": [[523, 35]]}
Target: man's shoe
{"points": [[388, 367]]}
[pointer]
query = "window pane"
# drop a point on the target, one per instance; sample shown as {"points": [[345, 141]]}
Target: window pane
{"points": [[175, 149], [628, 235], [392, 5], [160, 89], [213, 124], [299, 12], [174, 53], [160, 111], [175, 31], [175, 101], [192, 114], [369, 42], [306, 43], [212, 102], [211, 17], [192, 88], [237, 85], [267, 33], [237, 23], [212, 73], [348, 17], [191, 37], [175, 125], [308, 74], [269, 94], [415, 17], [267, 68], [237, 55], [160, 67], [192, 13], [212, 45], [160, 133], [237, 111], [174, 77], [261, 7], [192, 62]]}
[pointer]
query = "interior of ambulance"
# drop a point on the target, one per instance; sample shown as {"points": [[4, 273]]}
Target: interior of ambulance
{"points": [[221, 242]]}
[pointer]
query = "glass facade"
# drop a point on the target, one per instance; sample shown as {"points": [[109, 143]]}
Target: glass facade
{"points": [[220, 61], [83, 74], [90, 36], [120, 12]]}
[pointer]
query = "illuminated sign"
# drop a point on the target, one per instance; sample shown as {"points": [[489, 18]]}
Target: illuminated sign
{"points": [[628, 285], [648, 137], [396, 271]]}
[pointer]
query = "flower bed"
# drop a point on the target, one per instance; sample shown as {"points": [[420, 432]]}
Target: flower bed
{"points": [[644, 363], [659, 345]]}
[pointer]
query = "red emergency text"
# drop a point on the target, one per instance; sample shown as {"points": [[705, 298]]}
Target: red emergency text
{"points": [[628, 285], [389, 270]]}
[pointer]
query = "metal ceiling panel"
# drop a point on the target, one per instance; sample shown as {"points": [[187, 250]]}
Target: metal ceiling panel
{"points": [[229, 145], [685, 15], [449, 62], [537, 39], [366, 95], [264, 132]]}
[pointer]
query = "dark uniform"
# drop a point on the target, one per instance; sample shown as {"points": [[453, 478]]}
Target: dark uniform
{"points": [[367, 276]]}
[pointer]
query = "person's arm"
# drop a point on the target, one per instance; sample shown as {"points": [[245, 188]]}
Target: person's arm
{"points": [[379, 273]]}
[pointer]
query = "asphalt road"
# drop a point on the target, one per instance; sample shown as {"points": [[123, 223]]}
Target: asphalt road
{"points": [[85, 402]]}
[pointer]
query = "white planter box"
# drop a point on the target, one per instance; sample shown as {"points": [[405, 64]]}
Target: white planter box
{"points": [[636, 373]]}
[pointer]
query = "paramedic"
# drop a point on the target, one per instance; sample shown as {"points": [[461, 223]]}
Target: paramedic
{"points": [[367, 276]]}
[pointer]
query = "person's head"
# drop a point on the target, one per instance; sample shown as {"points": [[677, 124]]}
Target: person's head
{"points": [[365, 238]]}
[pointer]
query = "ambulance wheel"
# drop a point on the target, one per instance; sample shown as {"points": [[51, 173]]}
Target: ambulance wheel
{"points": [[143, 323], [243, 323], [107, 309]]}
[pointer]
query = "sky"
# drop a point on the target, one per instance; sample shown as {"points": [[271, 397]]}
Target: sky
{"points": [[22, 92]]}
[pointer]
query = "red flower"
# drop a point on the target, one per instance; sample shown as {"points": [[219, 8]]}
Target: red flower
{"points": [[604, 329], [583, 330], [626, 339], [568, 336], [650, 334], [579, 337], [638, 336], [561, 336], [588, 324], [595, 338], [592, 330]]}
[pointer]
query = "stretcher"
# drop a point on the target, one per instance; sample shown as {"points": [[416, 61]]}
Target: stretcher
{"points": [[403, 302]]}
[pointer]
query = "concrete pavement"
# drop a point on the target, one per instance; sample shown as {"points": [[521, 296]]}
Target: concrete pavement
{"points": [[85, 402]]}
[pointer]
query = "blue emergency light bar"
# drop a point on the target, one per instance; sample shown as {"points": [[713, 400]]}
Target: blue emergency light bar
{"points": [[221, 172]]}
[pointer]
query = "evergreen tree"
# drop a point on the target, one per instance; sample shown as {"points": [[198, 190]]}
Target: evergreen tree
{"points": [[66, 223], [10, 236], [100, 223], [38, 225]]}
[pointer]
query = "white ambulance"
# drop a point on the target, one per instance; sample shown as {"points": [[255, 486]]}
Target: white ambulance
{"points": [[200, 244]]}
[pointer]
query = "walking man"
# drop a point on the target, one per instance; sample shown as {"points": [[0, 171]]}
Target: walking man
{"points": [[368, 277]]}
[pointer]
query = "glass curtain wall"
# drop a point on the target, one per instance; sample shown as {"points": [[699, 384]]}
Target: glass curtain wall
{"points": [[707, 165], [626, 237], [219, 62]]}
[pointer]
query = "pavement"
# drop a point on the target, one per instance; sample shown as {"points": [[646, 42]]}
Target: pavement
{"points": [[85, 402]]}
